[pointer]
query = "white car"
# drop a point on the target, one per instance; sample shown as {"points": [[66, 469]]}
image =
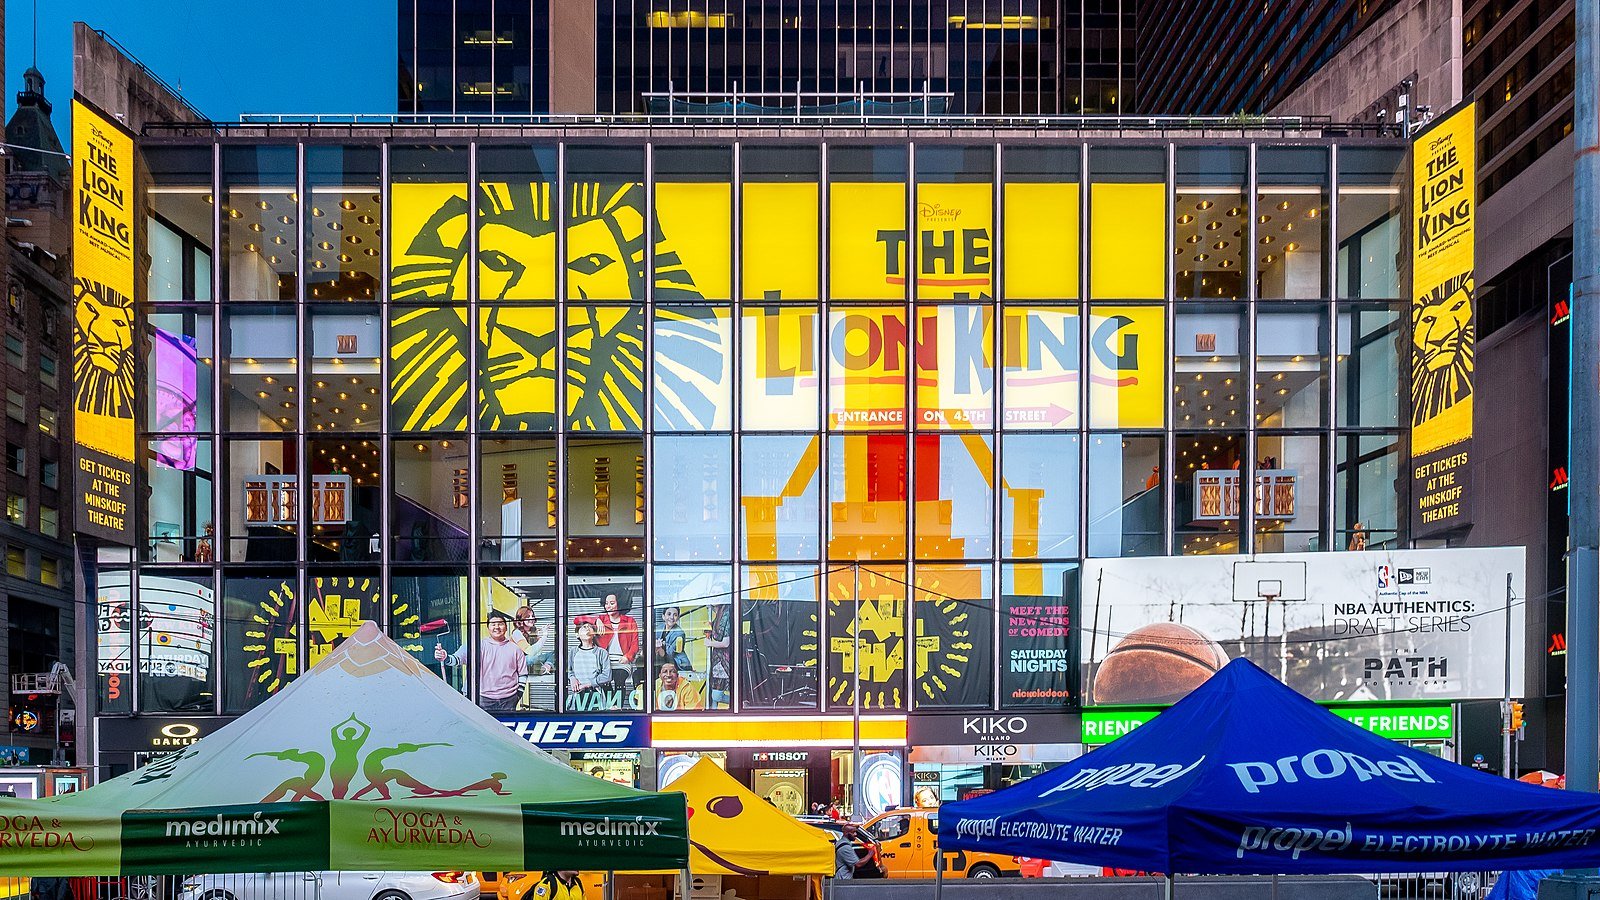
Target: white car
{"points": [[332, 886]]}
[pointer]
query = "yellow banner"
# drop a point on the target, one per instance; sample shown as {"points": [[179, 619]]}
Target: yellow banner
{"points": [[1127, 241], [102, 334], [866, 241], [1127, 367], [1041, 249], [781, 247], [955, 241]]}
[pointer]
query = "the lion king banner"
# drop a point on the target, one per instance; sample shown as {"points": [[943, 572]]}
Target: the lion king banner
{"points": [[1443, 333], [102, 332]]}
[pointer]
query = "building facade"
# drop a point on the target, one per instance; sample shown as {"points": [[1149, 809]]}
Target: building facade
{"points": [[807, 434]]}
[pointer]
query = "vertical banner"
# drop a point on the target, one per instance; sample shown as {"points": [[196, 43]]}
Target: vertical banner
{"points": [[1443, 334], [102, 332]]}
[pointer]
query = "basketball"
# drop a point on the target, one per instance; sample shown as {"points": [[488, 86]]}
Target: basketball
{"points": [[1157, 663]]}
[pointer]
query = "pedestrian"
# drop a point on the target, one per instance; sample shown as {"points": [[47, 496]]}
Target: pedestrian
{"points": [[834, 812], [847, 857], [563, 884]]}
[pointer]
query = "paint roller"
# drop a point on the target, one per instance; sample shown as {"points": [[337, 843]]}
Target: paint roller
{"points": [[438, 628]]}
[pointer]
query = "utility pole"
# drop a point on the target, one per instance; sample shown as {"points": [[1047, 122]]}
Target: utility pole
{"points": [[1583, 560], [1505, 704]]}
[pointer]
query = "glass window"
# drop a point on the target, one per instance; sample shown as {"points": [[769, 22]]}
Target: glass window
{"points": [[1368, 496], [180, 205], [1038, 602], [178, 505], [953, 613], [428, 368], [1291, 366], [336, 605], [867, 625], [693, 508], [516, 223], [518, 609], [259, 260], [17, 510], [605, 499], [605, 654], [693, 254], [955, 500], [344, 232], [1125, 495], [346, 368], [1041, 248], [427, 224], [114, 626], [346, 502], [49, 473], [47, 420], [692, 367], [867, 496], [1288, 493], [605, 368], [1291, 221], [955, 223], [1212, 217], [779, 496], [49, 521], [258, 372], [1127, 367], [428, 613], [1040, 366], [517, 368], [1127, 223], [1211, 342], [259, 638], [1039, 509], [779, 645], [178, 373], [868, 358], [1208, 493], [1370, 243], [867, 223], [692, 630], [262, 502], [778, 373], [432, 506], [955, 367], [518, 500], [779, 219], [606, 224], [1368, 365], [177, 618]]}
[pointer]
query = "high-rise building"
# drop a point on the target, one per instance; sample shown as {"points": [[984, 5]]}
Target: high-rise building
{"points": [[630, 57]]}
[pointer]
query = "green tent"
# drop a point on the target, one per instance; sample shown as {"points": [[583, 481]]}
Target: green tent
{"points": [[366, 762]]}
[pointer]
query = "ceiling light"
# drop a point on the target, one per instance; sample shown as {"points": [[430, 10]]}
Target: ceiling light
{"points": [[336, 226], [1204, 204], [1185, 219], [347, 204], [1283, 205], [262, 204], [1220, 245]]}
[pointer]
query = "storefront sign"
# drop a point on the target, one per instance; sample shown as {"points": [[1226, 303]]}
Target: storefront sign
{"points": [[153, 734], [1418, 722], [1038, 657], [1003, 754], [768, 757], [580, 731], [992, 729], [103, 272], [1443, 333], [1358, 626], [1102, 726]]}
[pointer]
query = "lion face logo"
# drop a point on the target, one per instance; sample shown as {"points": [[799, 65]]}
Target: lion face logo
{"points": [[102, 340], [1442, 343]]}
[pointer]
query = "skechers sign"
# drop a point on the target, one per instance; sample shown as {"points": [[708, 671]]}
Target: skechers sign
{"points": [[581, 731]]}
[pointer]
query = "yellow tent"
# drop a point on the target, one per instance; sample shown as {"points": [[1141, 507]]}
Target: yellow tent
{"points": [[734, 832]]}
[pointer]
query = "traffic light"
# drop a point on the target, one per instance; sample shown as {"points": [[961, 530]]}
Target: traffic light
{"points": [[1516, 715]]}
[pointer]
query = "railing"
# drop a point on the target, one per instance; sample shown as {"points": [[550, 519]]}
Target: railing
{"points": [[33, 683]]}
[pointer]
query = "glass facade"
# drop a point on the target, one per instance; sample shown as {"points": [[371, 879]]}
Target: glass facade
{"points": [[726, 426]]}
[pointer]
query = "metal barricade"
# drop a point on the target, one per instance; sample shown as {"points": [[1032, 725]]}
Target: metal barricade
{"points": [[276, 886], [1434, 885]]}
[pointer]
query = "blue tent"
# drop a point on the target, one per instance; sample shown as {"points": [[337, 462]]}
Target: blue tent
{"points": [[1245, 776]]}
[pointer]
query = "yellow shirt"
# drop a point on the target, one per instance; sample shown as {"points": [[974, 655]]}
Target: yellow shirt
{"points": [[551, 887], [685, 696]]}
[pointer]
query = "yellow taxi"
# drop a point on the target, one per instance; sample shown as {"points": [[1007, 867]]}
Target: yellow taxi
{"points": [[909, 838]]}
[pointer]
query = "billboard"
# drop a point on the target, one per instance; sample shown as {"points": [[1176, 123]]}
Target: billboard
{"points": [[1443, 333], [102, 332], [1359, 626]]}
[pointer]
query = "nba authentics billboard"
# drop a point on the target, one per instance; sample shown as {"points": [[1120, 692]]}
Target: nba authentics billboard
{"points": [[1366, 626]]}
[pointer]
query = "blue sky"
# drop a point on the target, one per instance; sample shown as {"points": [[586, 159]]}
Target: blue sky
{"points": [[226, 57]]}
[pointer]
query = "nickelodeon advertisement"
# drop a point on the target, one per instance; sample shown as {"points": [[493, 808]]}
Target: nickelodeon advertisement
{"points": [[103, 274], [1443, 333]]}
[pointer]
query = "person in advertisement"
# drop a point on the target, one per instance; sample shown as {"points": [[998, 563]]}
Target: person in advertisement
{"points": [[718, 639], [536, 641], [673, 691], [671, 641], [562, 884], [618, 634], [501, 664], [588, 669]]}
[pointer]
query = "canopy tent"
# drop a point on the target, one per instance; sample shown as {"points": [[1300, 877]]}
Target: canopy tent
{"points": [[367, 761], [1245, 776], [732, 831]]}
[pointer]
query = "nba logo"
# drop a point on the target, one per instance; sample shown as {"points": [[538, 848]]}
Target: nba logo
{"points": [[1385, 578]]}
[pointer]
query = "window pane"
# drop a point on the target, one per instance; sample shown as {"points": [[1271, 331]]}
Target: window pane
{"points": [[867, 496], [1127, 224], [1041, 223], [1209, 494], [427, 224], [779, 646], [178, 371], [177, 618], [344, 231], [518, 500], [955, 223], [517, 368], [1212, 216], [1041, 358], [955, 367], [1370, 182], [428, 368], [693, 508], [1369, 365], [259, 634], [867, 223], [1291, 222], [955, 501], [432, 503], [694, 217], [179, 504], [692, 630], [605, 368], [778, 382], [867, 620], [606, 224], [336, 606], [1208, 388], [1291, 366], [259, 236], [345, 353], [516, 648], [516, 223], [692, 365], [779, 503], [1039, 512], [263, 501], [1288, 493], [605, 662], [258, 374], [953, 609], [1127, 367], [1368, 498], [114, 625], [605, 499], [1125, 499], [427, 613], [181, 208], [780, 221], [1038, 602], [346, 502], [868, 350]]}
